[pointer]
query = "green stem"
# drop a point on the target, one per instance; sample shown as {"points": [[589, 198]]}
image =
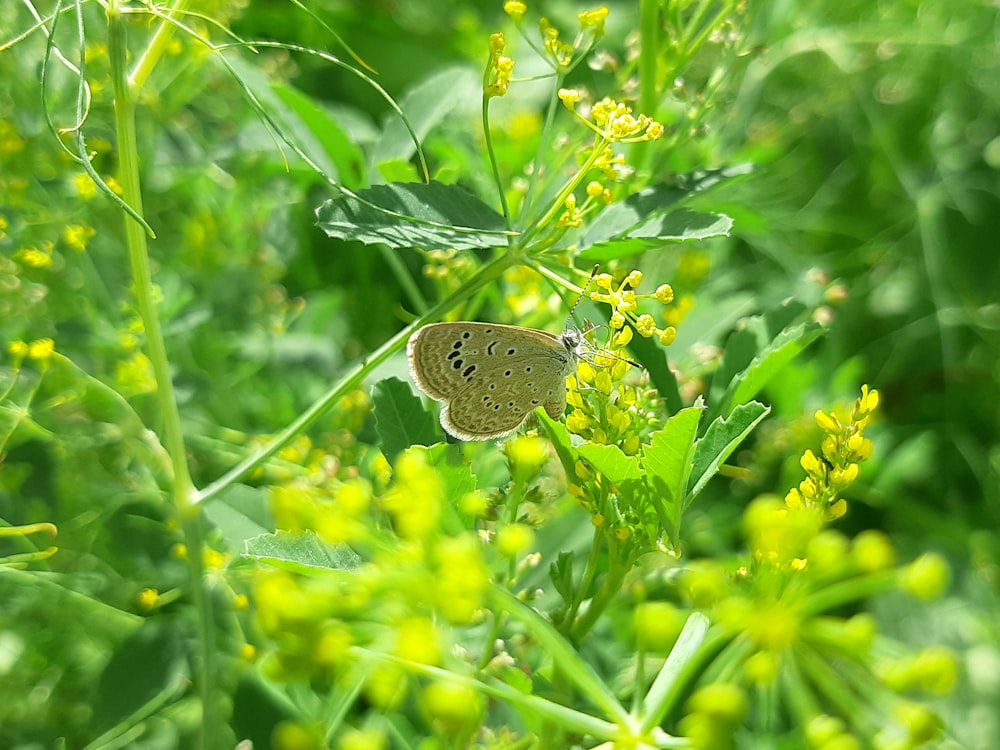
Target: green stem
{"points": [[485, 276], [617, 569], [649, 47], [559, 202], [182, 488], [585, 581], [494, 166], [156, 47]]}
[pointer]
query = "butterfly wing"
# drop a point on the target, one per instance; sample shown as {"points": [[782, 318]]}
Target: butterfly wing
{"points": [[490, 376]]}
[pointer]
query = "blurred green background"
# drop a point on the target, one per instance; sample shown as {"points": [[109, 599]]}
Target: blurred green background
{"points": [[875, 134]]}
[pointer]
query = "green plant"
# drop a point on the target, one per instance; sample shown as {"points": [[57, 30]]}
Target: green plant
{"points": [[371, 585]]}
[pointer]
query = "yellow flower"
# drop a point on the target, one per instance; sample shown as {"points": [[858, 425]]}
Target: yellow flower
{"points": [[514, 539], [593, 19], [418, 640], [668, 335], [665, 294], [569, 98], [41, 349], [645, 325], [34, 257], [148, 599], [76, 235], [18, 349], [515, 9], [85, 186]]}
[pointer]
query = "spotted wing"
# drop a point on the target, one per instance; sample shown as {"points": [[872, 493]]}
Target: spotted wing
{"points": [[490, 376], [484, 413]]}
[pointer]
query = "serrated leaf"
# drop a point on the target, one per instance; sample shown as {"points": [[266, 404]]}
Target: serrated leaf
{"points": [[677, 226], [401, 419], [721, 439], [667, 458], [403, 215], [785, 347], [612, 462], [458, 482], [756, 334], [301, 552], [240, 513], [618, 219]]}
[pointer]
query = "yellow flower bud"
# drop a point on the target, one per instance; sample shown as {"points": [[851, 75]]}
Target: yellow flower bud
{"points": [[668, 335], [926, 577], [828, 423], [873, 551], [664, 294], [569, 98], [645, 325], [515, 9], [812, 465], [633, 279], [868, 401], [513, 539]]}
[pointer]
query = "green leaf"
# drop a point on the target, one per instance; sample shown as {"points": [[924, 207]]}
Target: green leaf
{"points": [[333, 141], [401, 419], [561, 441], [677, 226], [301, 552], [458, 479], [561, 573], [95, 440], [146, 665], [611, 462], [755, 335], [667, 458], [404, 215], [721, 439], [443, 94], [782, 350], [240, 513]]}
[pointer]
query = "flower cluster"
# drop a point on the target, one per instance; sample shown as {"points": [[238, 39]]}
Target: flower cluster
{"points": [[563, 55], [780, 616], [415, 580], [39, 350], [625, 305], [597, 197], [613, 121], [496, 79], [843, 449]]}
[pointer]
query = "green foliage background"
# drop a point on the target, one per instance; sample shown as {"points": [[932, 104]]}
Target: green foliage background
{"points": [[874, 134]]}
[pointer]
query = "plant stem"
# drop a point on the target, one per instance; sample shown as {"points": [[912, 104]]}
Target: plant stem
{"points": [[173, 438]]}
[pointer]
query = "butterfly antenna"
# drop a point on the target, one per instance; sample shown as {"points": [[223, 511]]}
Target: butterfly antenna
{"points": [[583, 293]]}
